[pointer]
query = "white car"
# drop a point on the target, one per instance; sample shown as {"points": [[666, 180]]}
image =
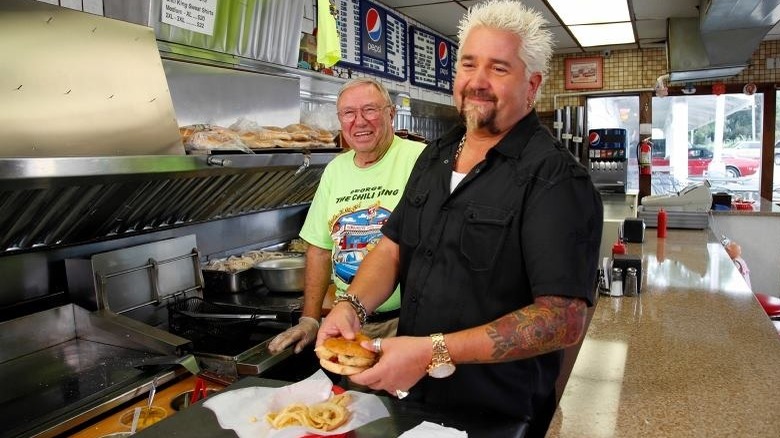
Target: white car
{"points": [[751, 149]]}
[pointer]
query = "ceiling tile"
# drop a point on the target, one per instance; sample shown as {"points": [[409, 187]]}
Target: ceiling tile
{"points": [[562, 39], [647, 29], [665, 8], [442, 17], [568, 50], [537, 5]]}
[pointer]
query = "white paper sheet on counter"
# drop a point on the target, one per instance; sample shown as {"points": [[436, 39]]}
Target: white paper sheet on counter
{"points": [[236, 409], [427, 429]]}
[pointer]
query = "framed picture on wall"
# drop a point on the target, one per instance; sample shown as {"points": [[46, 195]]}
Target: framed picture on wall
{"points": [[584, 73]]}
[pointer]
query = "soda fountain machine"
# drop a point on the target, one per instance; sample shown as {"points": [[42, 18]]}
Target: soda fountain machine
{"points": [[607, 159]]}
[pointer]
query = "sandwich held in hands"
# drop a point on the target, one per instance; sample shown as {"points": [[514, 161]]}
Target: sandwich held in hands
{"points": [[345, 357]]}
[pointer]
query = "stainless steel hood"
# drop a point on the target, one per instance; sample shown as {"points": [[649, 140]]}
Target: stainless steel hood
{"points": [[76, 84], [721, 41], [48, 202]]}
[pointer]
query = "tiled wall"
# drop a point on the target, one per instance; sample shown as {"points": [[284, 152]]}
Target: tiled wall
{"points": [[640, 69]]}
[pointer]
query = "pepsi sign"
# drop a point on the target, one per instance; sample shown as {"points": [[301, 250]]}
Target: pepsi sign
{"points": [[594, 138], [373, 32], [373, 24], [373, 39], [444, 54], [432, 60]]}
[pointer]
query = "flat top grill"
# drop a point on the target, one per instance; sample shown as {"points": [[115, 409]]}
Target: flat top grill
{"points": [[79, 375]]}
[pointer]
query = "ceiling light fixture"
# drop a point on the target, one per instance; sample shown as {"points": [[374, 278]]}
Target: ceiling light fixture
{"points": [[596, 22]]}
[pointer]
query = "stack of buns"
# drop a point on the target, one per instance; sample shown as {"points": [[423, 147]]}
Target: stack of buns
{"points": [[248, 136]]}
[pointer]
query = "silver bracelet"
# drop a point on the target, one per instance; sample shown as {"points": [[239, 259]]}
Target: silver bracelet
{"points": [[359, 308]]}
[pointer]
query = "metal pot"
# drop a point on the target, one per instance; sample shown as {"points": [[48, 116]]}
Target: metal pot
{"points": [[283, 275]]}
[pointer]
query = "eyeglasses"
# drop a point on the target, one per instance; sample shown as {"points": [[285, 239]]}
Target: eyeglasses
{"points": [[368, 112]]}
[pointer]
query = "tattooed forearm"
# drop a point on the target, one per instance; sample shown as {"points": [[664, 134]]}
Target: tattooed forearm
{"points": [[549, 324]]}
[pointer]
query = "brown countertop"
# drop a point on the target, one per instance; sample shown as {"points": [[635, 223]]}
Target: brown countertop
{"points": [[693, 355], [761, 207]]}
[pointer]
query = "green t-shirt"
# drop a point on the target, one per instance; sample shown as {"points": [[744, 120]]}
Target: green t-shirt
{"points": [[352, 204]]}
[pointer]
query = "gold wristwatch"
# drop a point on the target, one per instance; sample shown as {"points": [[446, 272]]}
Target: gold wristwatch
{"points": [[441, 364]]}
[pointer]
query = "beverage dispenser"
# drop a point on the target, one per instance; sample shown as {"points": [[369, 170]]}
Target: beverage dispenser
{"points": [[403, 112], [607, 158], [578, 131], [558, 123], [566, 133]]}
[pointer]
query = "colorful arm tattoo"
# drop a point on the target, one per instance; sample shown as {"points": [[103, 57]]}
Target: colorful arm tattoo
{"points": [[551, 323]]}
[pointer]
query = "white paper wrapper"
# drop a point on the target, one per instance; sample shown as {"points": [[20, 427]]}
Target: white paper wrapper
{"points": [[236, 409], [427, 429]]}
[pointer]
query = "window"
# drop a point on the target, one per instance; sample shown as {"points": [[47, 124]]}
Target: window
{"points": [[717, 138]]}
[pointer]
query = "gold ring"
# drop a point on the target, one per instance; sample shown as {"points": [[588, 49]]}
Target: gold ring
{"points": [[400, 394], [377, 344]]}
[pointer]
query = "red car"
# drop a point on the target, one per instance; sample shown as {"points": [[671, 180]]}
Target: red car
{"points": [[699, 159]]}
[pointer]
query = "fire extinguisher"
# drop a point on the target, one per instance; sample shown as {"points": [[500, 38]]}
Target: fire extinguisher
{"points": [[645, 157]]}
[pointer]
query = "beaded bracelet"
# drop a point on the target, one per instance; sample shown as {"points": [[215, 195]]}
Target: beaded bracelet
{"points": [[360, 309]]}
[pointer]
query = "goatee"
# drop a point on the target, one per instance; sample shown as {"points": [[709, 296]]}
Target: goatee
{"points": [[478, 116]]}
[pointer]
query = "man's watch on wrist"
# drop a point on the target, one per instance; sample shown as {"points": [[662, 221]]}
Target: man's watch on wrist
{"points": [[441, 365]]}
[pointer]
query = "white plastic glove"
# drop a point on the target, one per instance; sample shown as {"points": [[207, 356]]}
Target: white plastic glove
{"points": [[302, 333]]}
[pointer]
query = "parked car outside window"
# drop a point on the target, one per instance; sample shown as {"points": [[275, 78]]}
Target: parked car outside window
{"points": [[751, 149], [699, 159]]}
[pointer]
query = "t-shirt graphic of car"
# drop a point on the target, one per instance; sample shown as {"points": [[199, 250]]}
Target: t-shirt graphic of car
{"points": [[354, 235]]}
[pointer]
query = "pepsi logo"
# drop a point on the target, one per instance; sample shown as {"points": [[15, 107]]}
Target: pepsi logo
{"points": [[594, 138], [373, 24], [444, 54]]}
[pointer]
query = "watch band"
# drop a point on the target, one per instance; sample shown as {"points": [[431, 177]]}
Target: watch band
{"points": [[441, 363]]}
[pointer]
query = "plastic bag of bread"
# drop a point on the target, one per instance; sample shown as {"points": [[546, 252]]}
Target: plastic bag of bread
{"points": [[202, 139], [315, 137]]}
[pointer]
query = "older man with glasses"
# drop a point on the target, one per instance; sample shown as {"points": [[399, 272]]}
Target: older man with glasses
{"points": [[357, 192]]}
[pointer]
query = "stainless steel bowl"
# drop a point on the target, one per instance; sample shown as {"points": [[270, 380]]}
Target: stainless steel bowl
{"points": [[282, 275]]}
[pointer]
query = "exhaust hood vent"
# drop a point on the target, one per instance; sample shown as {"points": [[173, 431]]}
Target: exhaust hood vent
{"points": [[687, 57], [720, 42]]}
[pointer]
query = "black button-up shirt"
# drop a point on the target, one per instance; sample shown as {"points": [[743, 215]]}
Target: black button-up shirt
{"points": [[524, 222]]}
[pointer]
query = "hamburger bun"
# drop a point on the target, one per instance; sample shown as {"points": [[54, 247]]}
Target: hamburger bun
{"points": [[345, 357]]}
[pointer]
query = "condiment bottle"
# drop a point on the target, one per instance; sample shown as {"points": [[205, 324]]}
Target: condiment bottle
{"points": [[630, 289], [662, 223], [618, 248], [616, 285]]}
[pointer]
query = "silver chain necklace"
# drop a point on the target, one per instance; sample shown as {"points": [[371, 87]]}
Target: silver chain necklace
{"points": [[459, 150]]}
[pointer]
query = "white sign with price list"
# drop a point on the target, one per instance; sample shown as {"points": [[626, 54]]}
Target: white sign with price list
{"points": [[194, 15]]}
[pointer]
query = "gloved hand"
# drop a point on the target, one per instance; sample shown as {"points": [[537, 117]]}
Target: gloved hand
{"points": [[302, 333]]}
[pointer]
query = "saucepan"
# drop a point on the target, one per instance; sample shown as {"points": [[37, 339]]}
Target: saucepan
{"points": [[282, 274]]}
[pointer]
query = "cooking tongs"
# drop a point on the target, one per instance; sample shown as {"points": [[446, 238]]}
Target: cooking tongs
{"points": [[226, 315]]}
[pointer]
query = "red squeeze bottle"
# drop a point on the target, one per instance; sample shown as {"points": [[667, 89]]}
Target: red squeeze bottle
{"points": [[618, 248], [662, 223]]}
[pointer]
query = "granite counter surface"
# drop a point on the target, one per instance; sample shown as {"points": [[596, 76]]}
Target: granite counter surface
{"points": [[693, 356]]}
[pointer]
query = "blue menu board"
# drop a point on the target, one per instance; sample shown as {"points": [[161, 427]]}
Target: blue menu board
{"points": [[432, 60], [373, 39]]}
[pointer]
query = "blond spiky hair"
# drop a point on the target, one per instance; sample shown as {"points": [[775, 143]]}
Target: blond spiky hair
{"points": [[536, 43]]}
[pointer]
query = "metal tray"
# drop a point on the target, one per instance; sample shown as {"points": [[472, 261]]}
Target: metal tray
{"points": [[231, 282]]}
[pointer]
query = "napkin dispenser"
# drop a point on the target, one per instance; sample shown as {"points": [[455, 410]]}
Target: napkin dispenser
{"points": [[625, 261], [633, 230]]}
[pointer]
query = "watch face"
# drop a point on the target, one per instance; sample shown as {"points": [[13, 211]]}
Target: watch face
{"points": [[442, 370]]}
